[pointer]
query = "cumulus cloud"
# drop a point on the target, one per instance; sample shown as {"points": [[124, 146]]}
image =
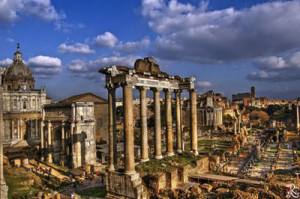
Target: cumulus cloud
{"points": [[89, 69], [134, 46], [44, 66], [12, 10], [106, 40], [78, 48], [6, 62], [276, 68], [194, 33], [204, 84]]}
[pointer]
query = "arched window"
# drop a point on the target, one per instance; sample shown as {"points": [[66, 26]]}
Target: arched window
{"points": [[24, 104]]}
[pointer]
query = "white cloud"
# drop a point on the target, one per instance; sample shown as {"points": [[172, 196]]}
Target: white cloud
{"points": [[12, 10], [44, 66], [78, 48], [89, 69], [204, 84], [133, 47], [277, 68], [6, 62], [193, 33], [8, 39], [106, 40]]}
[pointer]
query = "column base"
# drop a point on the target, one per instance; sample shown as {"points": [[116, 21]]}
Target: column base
{"points": [[132, 172], [111, 168], [159, 157], [179, 151], [195, 153], [3, 191], [170, 154], [145, 160], [49, 159]]}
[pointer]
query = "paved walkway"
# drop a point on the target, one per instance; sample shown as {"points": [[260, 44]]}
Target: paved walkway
{"points": [[264, 165], [286, 158]]}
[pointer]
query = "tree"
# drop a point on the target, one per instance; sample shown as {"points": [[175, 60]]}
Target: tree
{"points": [[260, 116]]}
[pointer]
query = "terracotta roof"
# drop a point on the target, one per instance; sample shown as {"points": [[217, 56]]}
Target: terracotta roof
{"points": [[77, 98]]}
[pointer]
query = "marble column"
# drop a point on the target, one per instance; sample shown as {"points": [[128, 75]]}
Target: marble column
{"points": [[3, 186], [178, 121], [193, 121], [157, 124], [297, 110], [18, 129], [169, 133], [49, 156], [144, 131], [235, 126], [12, 130], [36, 128], [42, 140], [62, 156], [239, 124], [111, 127], [128, 130], [31, 128]]}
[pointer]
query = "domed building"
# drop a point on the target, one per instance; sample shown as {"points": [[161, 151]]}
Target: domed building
{"points": [[22, 103]]}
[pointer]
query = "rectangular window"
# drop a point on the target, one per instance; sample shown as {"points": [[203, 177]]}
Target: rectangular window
{"points": [[99, 122]]}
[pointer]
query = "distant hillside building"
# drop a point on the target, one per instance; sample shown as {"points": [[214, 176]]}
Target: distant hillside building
{"points": [[22, 104]]}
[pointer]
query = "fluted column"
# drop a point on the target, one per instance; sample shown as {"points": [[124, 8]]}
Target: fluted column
{"points": [[178, 121], [297, 110], [143, 119], [36, 128], [12, 129], [193, 121], [42, 140], [128, 130], [168, 104], [112, 130], [157, 123], [49, 157], [62, 157], [18, 129], [235, 126]]}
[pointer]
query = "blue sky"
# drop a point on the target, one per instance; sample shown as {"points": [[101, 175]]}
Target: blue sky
{"points": [[228, 45]]}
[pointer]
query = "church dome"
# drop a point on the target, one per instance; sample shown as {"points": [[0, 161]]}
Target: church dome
{"points": [[18, 75]]}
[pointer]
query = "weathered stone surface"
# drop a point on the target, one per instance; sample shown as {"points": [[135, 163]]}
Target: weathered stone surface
{"points": [[124, 186], [207, 187]]}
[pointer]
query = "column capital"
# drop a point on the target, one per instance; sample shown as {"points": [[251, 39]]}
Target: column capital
{"points": [[155, 89], [177, 91], [168, 90], [193, 90], [142, 87], [127, 84]]}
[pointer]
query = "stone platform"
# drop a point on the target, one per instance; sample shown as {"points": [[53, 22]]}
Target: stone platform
{"points": [[123, 186]]}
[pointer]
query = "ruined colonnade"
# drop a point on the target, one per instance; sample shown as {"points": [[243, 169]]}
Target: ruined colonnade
{"points": [[144, 78]]}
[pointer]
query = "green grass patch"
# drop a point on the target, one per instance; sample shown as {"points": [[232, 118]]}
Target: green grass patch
{"points": [[14, 178], [167, 163], [93, 192]]}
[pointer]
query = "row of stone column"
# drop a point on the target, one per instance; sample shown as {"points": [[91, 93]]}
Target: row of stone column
{"points": [[128, 125]]}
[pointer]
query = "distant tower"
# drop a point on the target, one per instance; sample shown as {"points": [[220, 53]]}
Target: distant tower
{"points": [[252, 92]]}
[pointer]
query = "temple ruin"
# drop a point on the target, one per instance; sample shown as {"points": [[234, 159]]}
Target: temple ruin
{"points": [[146, 75]]}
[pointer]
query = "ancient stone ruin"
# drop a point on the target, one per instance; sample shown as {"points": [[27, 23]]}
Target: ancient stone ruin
{"points": [[145, 75]]}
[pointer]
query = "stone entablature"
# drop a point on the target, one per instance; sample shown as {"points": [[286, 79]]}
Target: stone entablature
{"points": [[145, 75]]}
